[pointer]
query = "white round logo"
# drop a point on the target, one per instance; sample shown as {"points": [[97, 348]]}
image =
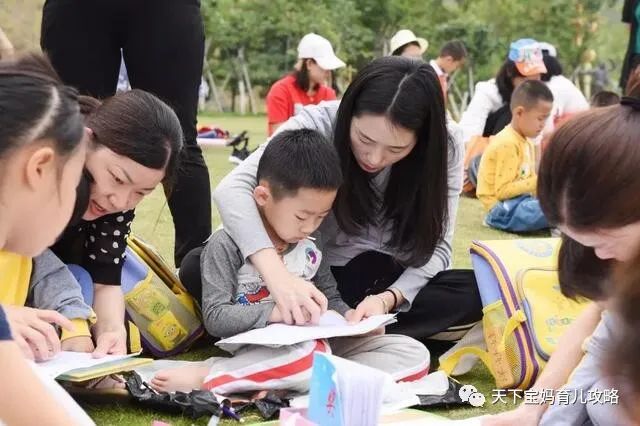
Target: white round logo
{"points": [[476, 399], [469, 393], [466, 391]]}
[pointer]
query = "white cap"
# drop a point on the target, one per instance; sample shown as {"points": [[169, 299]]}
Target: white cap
{"points": [[550, 48], [403, 37], [313, 46]]}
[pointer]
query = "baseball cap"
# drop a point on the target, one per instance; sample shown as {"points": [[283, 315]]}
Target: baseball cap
{"points": [[313, 46], [403, 37], [527, 56], [550, 48]]}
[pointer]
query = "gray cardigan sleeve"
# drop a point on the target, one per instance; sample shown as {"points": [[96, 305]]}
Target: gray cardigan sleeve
{"points": [[220, 261], [53, 287], [234, 194]]}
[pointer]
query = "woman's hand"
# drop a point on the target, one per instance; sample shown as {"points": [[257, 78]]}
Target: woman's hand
{"points": [[350, 315], [111, 342], [34, 332], [370, 306], [293, 295], [109, 331], [78, 344]]}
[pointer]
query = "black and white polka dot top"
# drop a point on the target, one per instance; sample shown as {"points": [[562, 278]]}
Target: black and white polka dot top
{"points": [[98, 246]]}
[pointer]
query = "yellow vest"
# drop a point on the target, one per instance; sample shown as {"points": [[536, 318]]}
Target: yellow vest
{"points": [[15, 278], [15, 274]]}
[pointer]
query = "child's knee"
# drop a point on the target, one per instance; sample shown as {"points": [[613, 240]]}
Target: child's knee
{"points": [[410, 351]]}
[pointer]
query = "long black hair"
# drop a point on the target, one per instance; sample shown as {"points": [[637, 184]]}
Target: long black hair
{"points": [[553, 66], [302, 76], [407, 92], [504, 79]]}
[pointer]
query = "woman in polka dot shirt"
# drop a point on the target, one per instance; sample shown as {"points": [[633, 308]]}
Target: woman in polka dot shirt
{"points": [[135, 140]]}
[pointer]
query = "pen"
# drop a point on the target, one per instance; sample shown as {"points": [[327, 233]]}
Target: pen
{"points": [[228, 411], [146, 385]]}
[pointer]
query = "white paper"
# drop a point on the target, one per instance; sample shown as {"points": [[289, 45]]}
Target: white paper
{"points": [[436, 383], [67, 362], [283, 334], [397, 396]]}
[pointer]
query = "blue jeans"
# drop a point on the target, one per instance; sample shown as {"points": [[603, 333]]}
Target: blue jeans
{"points": [[519, 214], [85, 280]]}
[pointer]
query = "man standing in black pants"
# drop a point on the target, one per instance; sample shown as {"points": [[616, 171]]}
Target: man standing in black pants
{"points": [[163, 46]]}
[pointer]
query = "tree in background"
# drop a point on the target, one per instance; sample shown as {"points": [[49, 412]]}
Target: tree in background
{"points": [[268, 31]]}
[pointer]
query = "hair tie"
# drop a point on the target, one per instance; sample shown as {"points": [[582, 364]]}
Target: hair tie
{"points": [[631, 101]]}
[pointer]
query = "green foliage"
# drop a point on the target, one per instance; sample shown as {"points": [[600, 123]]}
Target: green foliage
{"points": [[269, 30]]}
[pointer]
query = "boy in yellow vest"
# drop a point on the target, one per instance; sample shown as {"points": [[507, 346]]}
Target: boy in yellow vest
{"points": [[507, 176]]}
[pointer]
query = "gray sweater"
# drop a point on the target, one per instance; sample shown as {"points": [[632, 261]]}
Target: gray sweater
{"points": [[52, 286], [234, 297], [233, 197]]}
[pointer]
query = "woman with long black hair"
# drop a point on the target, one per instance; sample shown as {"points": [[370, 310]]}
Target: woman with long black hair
{"points": [[389, 237]]}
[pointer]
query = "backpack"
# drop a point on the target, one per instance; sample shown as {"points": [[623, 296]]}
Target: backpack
{"points": [[161, 314], [524, 311]]}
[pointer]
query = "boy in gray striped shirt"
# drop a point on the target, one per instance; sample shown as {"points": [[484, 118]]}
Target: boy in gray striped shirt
{"points": [[298, 178]]}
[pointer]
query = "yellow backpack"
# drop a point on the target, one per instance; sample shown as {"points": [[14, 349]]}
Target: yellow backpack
{"points": [[524, 311], [162, 316]]}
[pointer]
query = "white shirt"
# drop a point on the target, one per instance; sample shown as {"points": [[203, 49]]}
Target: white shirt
{"points": [[567, 99], [486, 99], [437, 68]]}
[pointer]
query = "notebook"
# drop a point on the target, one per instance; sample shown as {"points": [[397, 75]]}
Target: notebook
{"points": [[344, 393], [331, 324], [80, 366]]}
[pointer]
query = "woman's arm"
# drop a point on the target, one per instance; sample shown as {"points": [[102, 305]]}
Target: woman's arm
{"points": [[109, 331], [241, 220], [23, 398]]}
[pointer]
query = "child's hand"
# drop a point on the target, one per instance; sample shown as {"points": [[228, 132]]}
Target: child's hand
{"points": [[276, 316], [33, 330], [78, 344], [294, 296]]}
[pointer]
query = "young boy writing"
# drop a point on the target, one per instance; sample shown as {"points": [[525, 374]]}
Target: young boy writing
{"points": [[507, 174], [297, 180]]}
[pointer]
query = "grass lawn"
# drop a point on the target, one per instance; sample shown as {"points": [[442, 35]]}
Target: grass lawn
{"points": [[153, 223]]}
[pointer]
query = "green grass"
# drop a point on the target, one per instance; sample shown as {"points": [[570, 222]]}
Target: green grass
{"points": [[153, 223]]}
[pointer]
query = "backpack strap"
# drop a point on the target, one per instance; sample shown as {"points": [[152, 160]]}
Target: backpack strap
{"points": [[512, 323], [449, 364]]}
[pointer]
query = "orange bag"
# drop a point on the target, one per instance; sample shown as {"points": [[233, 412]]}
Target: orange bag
{"points": [[475, 147]]}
